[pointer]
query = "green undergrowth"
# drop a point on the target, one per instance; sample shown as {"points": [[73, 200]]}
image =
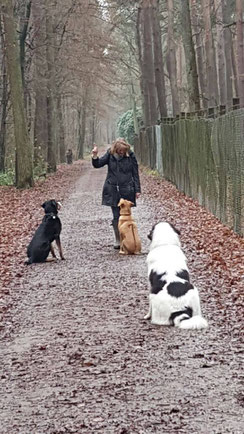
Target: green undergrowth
{"points": [[7, 178], [151, 172]]}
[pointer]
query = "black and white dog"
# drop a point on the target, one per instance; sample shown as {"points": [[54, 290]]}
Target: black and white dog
{"points": [[173, 300]]}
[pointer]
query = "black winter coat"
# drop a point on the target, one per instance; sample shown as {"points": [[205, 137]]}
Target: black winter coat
{"points": [[122, 179]]}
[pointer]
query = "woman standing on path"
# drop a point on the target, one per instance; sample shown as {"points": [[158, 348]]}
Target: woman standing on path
{"points": [[122, 179]]}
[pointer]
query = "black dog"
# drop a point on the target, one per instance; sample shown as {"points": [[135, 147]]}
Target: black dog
{"points": [[48, 231]]}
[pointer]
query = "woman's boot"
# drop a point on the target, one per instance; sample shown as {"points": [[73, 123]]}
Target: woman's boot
{"points": [[116, 234]]}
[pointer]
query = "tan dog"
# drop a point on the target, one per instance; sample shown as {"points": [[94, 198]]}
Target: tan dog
{"points": [[130, 243]]}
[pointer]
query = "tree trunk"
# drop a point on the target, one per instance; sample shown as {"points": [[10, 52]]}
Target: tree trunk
{"points": [[148, 62], [24, 166], [134, 108], [212, 84], [201, 66], [132, 99], [234, 66], [40, 82], [82, 114], [171, 60], [158, 60], [145, 100], [220, 53], [51, 106], [4, 102], [92, 125], [240, 51], [61, 130], [81, 130], [190, 57], [22, 39], [227, 49]]}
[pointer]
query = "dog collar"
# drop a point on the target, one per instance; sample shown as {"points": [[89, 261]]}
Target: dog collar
{"points": [[51, 214]]}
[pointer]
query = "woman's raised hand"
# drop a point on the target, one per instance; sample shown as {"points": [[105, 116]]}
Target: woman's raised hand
{"points": [[94, 151]]}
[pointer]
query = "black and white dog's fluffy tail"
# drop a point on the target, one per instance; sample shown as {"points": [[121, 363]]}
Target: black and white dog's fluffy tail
{"points": [[184, 320]]}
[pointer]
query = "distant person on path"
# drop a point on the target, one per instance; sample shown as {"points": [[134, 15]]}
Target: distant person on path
{"points": [[69, 156], [122, 179]]}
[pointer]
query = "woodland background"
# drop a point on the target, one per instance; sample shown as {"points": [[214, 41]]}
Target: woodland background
{"points": [[76, 72], [169, 76]]}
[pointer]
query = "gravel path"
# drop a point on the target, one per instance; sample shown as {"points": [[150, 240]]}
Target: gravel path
{"points": [[77, 357]]}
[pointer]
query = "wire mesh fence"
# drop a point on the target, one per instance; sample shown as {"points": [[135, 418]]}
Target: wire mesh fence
{"points": [[204, 158]]}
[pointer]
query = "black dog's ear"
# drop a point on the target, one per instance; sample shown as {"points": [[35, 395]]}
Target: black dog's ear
{"points": [[174, 229], [43, 205], [54, 203]]}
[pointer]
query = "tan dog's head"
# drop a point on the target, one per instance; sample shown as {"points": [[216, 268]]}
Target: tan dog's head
{"points": [[125, 206]]}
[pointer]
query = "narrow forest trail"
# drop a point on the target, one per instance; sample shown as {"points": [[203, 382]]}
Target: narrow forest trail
{"points": [[77, 357]]}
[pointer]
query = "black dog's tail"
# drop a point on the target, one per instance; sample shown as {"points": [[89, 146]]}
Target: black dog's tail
{"points": [[184, 319]]}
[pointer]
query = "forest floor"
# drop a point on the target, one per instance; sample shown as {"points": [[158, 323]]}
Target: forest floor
{"points": [[76, 355]]}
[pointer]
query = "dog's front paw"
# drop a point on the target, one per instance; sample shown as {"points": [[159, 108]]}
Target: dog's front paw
{"points": [[147, 316], [62, 258]]}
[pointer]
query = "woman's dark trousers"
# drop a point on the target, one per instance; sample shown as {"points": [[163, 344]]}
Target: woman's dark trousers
{"points": [[115, 221]]}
